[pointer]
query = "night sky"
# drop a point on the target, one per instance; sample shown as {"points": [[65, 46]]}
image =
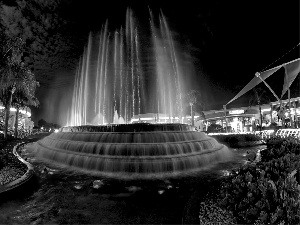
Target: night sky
{"points": [[228, 41]]}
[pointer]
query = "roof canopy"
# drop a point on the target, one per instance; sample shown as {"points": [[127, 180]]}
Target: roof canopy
{"points": [[291, 70]]}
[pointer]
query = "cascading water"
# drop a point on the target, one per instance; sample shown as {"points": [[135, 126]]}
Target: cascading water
{"points": [[114, 83], [128, 73], [132, 151]]}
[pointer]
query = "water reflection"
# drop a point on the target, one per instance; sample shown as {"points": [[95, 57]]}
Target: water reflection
{"points": [[62, 197]]}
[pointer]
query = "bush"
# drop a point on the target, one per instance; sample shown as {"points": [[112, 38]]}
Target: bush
{"points": [[212, 213], [254, 197], [233, 140], [3, 160], [278, 147], [215, 128], [281, 167]]}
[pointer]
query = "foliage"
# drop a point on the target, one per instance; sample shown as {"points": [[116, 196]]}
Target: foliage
{"points": [[234, 140], [282, 166], [260, 97], [11, 71], [25, 96], [193, 99], [212, 213], [49, 42], [280, 146], [215, 128], [45, 124], [17, 82], [3, 160], [268, 192]]}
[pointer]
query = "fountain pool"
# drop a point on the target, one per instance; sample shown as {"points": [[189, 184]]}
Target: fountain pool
{"points": [[132, 151]]}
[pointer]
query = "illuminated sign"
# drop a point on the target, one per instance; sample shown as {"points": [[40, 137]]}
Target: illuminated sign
{"points": [[238, 111]]}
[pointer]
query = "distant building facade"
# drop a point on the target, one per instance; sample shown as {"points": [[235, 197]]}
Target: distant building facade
{"points": [[247, 119], [24, 119]]}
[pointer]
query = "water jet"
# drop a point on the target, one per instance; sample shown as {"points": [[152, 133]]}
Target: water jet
{"points": [[120, 78]]}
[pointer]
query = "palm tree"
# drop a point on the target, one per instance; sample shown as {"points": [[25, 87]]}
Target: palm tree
{"points": [[193, 98], [259, 98], [14, 77], [25, 97]]}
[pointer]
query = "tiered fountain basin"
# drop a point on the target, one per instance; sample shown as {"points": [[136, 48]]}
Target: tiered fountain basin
{"points": [[131, 151]]}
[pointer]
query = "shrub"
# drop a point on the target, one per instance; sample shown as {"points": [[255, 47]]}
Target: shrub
{"points": [[3, 160], [215, 128], [281, 167], [234, 139], [211, 213], [278, 147], [265, 192]]}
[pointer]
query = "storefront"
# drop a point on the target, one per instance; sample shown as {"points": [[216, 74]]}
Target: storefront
{"points": [[24, 118], [236, 120], [246, 119]]}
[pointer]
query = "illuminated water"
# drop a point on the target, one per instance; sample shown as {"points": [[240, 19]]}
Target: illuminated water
{"points": [[128, 71], [61, 197], [132, 151]]}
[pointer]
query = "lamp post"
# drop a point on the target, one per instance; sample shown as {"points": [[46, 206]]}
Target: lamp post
{"points": [[224, 107]]}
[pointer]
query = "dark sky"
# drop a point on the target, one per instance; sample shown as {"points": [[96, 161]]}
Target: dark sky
{"points": [[228, 42]]}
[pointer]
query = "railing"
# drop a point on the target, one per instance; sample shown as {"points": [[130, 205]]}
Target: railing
{"points": [[268, 133], [264, 133], [288, 132]]}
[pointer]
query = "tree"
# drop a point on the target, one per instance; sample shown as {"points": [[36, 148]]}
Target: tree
{"points": [[17, 82], [193, 98], [50, 40], [11, 70], [25, 96], [259, 98], [42, 123]]}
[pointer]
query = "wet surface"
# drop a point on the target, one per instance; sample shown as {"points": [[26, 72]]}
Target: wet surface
{"points": [[64, 197]]}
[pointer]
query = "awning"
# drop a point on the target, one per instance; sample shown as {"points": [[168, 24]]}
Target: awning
{"points": [[264, 75]]}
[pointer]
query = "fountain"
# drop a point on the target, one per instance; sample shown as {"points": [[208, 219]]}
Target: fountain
{"points": [[113, 84], [130, 73], [132, 151]]}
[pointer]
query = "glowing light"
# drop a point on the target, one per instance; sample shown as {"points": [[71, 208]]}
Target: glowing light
{"points": [[238, 111], [149, 118], [266, 110], [161, 192], [56, 130]]}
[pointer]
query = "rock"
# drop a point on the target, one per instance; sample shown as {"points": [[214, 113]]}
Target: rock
{"points": [[133, 188], [161, 192], [78, 187], [97, 184]]}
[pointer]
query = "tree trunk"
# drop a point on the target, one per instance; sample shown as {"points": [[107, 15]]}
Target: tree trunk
{"points": [[16, 123], [192, 115], [260, 118], [7, 112]]}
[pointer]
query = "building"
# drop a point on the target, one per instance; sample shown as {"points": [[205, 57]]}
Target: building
{"points": [[247, 119], [24, 119]]}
